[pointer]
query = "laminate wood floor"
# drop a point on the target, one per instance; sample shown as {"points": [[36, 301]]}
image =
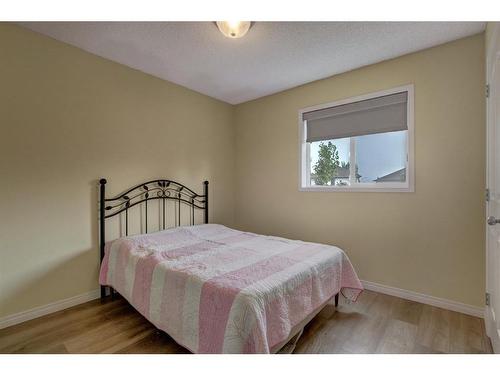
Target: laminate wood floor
{"points": [[376, 323]]}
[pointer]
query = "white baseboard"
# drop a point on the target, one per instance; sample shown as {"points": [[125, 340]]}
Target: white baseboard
{"points": [[424, 298], [37, 312]]}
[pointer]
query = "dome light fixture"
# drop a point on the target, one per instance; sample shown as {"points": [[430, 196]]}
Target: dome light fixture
{"points": [[234, 29]]}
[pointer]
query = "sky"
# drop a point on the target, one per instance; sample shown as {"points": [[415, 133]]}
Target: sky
{"points": [[376, 154]]}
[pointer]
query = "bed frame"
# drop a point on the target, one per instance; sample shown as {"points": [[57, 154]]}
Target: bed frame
{"points": [[162, 189]]}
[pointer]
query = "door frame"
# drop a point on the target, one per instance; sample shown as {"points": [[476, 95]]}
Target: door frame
{"points": [[492, 54]]}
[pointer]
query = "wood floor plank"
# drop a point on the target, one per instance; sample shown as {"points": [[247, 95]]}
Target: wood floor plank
{"points": [[376, 323], [434, 329], [366, 335], [96, 340], [46, 339], [156, 342], [59, 321], [399, 337], [420, 349], [381, 305], [406, 311], [466, 334]]}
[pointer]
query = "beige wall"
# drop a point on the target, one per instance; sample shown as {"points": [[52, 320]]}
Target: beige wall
{"points": [[430, 241], [67, 118]]}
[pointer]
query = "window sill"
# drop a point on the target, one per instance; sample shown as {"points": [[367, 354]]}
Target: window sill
{"points": [[360, 189]]}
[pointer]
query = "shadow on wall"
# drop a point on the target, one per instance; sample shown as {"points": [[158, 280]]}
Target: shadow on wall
{"points": [[71, 273], [60, 280]]}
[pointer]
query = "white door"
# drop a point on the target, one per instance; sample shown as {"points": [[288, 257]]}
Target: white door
{"points": [[492, 314]]}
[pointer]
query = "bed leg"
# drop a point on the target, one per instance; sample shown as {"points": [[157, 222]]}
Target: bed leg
{"points": [[112, 292], [103, 292], [336, 300]]}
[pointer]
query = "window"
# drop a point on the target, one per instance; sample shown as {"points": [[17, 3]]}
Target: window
{"points": [[359, 144]]}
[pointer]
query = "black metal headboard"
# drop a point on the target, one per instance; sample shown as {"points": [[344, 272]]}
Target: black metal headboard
{"points": [[164, 190]]}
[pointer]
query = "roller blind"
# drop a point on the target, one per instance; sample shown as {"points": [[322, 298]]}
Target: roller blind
{"points": [[377, 115]]}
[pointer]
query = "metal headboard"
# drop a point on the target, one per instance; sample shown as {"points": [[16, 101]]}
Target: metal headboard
{"points": [[163, 190]]}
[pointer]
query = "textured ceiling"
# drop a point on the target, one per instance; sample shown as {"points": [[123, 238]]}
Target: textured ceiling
{"points": [[272, 57]]}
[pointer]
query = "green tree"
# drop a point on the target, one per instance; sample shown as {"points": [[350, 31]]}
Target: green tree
{"points": [[327, 164]]}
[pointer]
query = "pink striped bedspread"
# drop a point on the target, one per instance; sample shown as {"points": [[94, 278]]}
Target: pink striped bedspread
{"points": [[218, 290]]}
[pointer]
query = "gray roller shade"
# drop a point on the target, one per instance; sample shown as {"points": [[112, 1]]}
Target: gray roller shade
{"points": [[377, 115]]}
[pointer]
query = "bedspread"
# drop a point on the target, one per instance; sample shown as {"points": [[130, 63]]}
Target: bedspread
{"points": [[218, 290]]}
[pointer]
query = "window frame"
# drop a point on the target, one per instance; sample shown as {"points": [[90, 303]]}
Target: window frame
{"points": [[394, 187]]}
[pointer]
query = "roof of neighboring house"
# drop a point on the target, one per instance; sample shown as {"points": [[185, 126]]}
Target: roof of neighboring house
{"points": [[342, 173], [397, 176]]}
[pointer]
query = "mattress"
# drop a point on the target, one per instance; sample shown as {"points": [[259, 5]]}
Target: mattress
{"points": [[218, 290]]}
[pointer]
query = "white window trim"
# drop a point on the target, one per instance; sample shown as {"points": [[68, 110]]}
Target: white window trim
{"points": [[403, 187]]}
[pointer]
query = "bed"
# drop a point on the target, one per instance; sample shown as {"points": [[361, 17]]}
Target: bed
{"points": [[214, 289]]}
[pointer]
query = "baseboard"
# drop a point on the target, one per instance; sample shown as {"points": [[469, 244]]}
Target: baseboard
{"points": [[37, 312], [424, 298]]}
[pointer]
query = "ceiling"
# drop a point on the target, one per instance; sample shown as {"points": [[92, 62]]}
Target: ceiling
{"points": [[272, 57]]}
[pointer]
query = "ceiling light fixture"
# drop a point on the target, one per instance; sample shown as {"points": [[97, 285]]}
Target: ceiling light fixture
{"points": [[234, 29]]}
